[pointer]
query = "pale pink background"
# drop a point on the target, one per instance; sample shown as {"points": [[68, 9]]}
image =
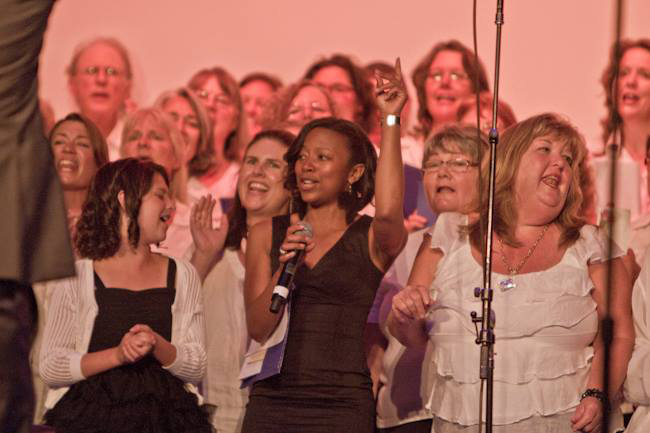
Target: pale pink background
{"points": [[552, 55]]}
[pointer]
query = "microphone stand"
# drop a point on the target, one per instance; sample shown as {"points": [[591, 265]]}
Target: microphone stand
{"points": [[607, 324], [485, 338]]}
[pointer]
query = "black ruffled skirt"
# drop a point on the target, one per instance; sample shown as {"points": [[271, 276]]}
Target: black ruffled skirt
{"points": [[141, 397]]}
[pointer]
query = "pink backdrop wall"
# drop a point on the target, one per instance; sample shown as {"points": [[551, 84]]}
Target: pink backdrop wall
{"points": [[552, 55]]}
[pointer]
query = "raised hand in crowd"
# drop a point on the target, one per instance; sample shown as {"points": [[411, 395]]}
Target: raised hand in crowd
{"points": [[208, 238]]}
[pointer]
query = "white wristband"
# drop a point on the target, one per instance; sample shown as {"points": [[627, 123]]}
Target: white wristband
{"points": [[392, 120]]}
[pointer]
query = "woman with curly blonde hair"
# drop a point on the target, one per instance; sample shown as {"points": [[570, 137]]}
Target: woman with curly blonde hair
{"points": [[549, 283]]}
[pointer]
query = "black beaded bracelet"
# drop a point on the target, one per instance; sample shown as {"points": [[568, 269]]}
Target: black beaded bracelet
{"points": [[597, 394]]}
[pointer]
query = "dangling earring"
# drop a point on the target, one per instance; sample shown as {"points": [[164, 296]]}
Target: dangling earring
{"points": [[348, 189]]}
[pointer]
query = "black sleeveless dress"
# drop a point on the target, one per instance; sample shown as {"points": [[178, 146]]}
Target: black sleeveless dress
{"points": [[324, 385], [141, 397]]}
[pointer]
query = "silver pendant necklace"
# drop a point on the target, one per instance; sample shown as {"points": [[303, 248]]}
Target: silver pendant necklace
{"points": [[509, 283]]}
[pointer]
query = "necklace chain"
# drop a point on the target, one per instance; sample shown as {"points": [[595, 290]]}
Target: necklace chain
{"points": [[515, 270]]}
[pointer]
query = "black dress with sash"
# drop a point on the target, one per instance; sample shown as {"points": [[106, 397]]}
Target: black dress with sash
{"points": [[324, 384]]}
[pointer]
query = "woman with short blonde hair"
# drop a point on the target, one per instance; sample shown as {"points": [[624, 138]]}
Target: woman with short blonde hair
{"points": [[201, 122]]}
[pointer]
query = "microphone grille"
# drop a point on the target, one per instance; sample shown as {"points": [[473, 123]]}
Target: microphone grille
{"points": [[307, 230]]}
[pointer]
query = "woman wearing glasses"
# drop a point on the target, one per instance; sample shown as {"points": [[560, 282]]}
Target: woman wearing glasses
{"points": [[450, 169], [450, 176], [443, 80], [297, 105], [349, 87], [549, 285], [219, 93]]}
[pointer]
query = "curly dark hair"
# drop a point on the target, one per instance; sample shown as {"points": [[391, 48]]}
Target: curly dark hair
{"points": [[98, 229], [607, 81], [360, 83], [361, 152], [237, 227], [421, 71]]}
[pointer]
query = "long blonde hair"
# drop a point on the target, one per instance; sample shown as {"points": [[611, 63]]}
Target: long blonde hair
{"points": [[515, 141]]}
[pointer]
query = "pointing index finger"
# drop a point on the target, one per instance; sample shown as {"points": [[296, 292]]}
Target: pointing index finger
{"points": [[398, 69]]}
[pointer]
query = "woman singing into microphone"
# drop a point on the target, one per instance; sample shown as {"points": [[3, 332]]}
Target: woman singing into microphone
{"points": [[324, 384]]}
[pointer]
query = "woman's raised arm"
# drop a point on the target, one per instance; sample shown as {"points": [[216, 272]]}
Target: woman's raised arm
{"points": [[387, 234]]}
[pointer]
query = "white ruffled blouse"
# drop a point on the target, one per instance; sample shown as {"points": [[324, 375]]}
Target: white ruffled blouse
{"points": [[544, 330]]}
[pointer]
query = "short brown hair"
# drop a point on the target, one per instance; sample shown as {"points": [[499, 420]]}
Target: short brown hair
{"points": [[504, 111], [277, 110], [237, 227], [97, 141], [360, 84], [98, 230], [273, 81]]}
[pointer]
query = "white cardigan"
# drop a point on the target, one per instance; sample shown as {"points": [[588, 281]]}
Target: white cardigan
{"points": [[71, 319]]}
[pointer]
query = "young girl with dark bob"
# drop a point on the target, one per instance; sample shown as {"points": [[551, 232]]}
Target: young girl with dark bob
{"points": [[124, 338]]}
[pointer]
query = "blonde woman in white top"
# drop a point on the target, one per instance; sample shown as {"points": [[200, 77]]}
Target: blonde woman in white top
{"points": [[549, 288], [450, 179]]}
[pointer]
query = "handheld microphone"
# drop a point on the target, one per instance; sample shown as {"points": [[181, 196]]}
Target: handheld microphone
{"points": [[281, 289]]}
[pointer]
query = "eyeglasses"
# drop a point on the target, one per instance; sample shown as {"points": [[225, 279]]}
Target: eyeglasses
{"points": [[316, 109], [108, 70], [457, 165], [220, 98], [339, 88], [437, 76]]}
